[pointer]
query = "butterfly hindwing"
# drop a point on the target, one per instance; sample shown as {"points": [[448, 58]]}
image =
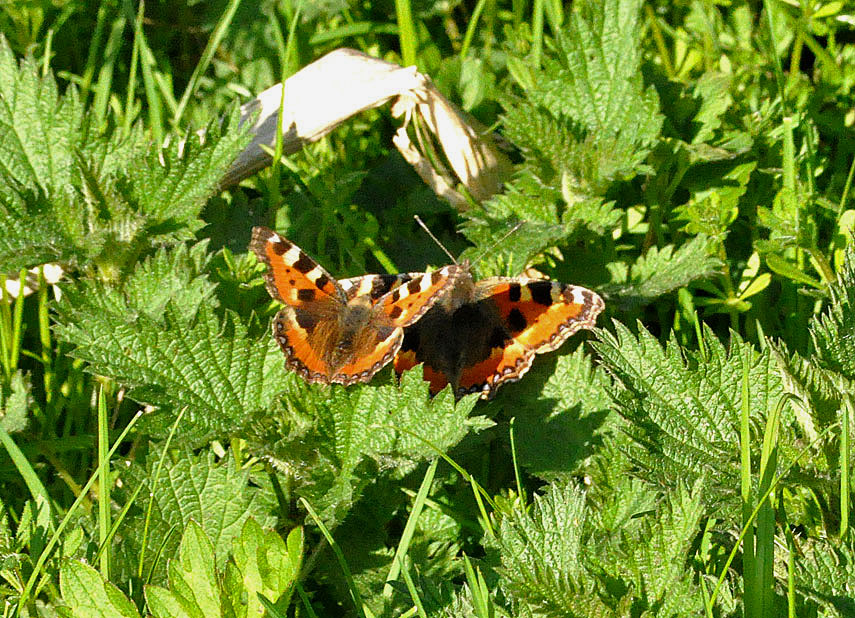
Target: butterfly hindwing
{"points": [[535, 316], [487, 333]]}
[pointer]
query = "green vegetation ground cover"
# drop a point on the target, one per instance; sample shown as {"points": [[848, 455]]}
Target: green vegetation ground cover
{"points": [[691, 161]]}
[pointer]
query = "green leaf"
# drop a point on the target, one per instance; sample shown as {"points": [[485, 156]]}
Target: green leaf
{"points": [[663, 270], [14, 403], [211, 365], [90, 596], [215, 495], [176, 274], [540, 550], [39, 130], [825, 575], [262, 563], [596, 84], [561, 412], [833, 333], [70, 192], [713, 90], [336, 435], [192, 575], [166, 604], [683, 409], [781, 266], [172, 184]]}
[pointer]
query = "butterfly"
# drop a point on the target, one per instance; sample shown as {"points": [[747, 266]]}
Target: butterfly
{"points": [[327, 335], [482, 334]]}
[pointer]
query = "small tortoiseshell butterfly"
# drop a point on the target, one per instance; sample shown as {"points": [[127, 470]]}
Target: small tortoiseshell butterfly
{"points": [[330, 336], [483, 334]]}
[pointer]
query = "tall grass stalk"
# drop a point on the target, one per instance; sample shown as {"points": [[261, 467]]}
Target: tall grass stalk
{"points": [[104, 492], [205, 60], [104, 86], [409, 529], [845, 486], [348, 576], [152, 489], [407, 34]]}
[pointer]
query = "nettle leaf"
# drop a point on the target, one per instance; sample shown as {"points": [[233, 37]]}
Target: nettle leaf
{"points": [[70, 192], [171, 185], [714, 92], [214, 494], [14, 402], [833, 333], [337, 439], [646, 559], [826, 575], [545, 225], [596, 84], [87, 593], [684, 409], [177, 274], [561, 411], [210, 364], [663, 270], [540, 550], [39, 130]]}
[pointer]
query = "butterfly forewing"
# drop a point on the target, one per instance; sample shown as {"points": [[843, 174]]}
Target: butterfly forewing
{"points": [[292, 277]]}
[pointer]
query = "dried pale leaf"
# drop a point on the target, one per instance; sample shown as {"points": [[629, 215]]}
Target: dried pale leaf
{"points": [[470, 151], [345, 82], [317, 99]]}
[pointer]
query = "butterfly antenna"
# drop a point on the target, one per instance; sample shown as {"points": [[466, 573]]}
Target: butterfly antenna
{"points": [[498, 242], [435, 239]]}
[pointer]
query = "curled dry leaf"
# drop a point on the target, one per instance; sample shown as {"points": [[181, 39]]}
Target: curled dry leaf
{"points": [[345, 82]]}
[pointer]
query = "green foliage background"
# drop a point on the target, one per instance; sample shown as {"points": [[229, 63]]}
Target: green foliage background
{"points": [[691, 161]]}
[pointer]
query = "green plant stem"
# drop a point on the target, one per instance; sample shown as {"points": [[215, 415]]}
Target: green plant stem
{"points": [[470, 28], [153, 488], [103, 483]]}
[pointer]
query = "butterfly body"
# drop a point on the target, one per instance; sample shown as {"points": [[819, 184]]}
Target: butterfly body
{"points": [[327, 335]]}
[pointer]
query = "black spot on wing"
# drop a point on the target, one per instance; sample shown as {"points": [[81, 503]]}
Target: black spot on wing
{"points": [[514, 292], [516, 320], [414, 286], [498, 338], [306, 295], [396, 312], [304, 264], [435, 276], [322, 281], [305, 320], [280, 247], [383, 283], [541, 292]]}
